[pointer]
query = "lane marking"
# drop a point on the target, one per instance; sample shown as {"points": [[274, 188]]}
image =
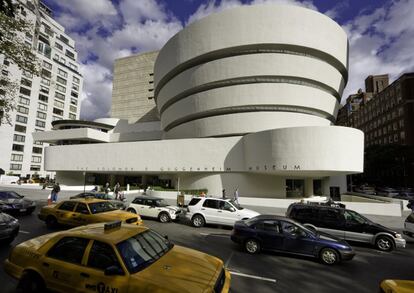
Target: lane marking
{"points": [[253, 277], [215, 235], [24, 232], [226, 265]]}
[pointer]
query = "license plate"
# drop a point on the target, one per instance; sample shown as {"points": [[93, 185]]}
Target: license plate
{"points": [[23, 210]]}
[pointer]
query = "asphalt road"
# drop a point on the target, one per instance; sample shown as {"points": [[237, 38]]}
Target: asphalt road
{"points": [[266, 272]]}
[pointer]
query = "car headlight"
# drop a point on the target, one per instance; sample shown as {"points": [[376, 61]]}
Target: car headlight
{"points": [[398, 236]]}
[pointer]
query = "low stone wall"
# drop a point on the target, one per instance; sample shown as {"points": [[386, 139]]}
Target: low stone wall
{"points": [[368, 208]]}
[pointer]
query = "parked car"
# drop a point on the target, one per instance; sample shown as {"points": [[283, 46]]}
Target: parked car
{"points": [[77, 212], [345, 224], [208, 210], [117, 203], [13, 203], [154, 207], [387, 192], [366, 189], [113, 257], [9, 228], [276, 233], [397, 286], [409, 225]]}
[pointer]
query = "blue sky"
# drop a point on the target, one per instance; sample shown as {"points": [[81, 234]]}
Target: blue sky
{"points": [[380, 32]]}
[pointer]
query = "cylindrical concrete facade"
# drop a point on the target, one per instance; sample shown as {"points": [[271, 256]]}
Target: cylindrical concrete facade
{"points": [[250, 69]]}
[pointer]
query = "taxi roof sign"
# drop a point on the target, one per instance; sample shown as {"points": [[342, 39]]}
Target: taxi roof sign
{"points": [[112, 225]]}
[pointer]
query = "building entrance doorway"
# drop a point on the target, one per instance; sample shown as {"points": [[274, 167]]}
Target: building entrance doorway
{"points": [[295, 188]]}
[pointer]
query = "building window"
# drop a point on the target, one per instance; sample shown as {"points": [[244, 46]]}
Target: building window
{"points": [[47, 65], [19, 138], [22, 109], [44, 89], [54, 118], [17, 158], [15, 166], [70, 54], [58, 111], [6, 62], [72, 116], [59, 96], [60, 88], [59, 46], [34, 168], [73, 101], [20, 128], [401, 123], [62, 81], [26, 82], [41, 115], [36, 159], [76, 80], [43, 98], [45, 81], [40, 123], [59, 104], [44, 49], [37, 150], [62, 60], [24, 91], [73, 94], [72, 108], [75, 87], [24, 101], [46, 73], [63, 73], [18, 147], [36, 142], [64, 39], [42, 107], [21, 119], [73, 66], [402, 135]]}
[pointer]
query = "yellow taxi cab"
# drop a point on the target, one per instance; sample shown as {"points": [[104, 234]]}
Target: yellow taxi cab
{"points": [[113, 257], [84, 211], [397, 286]]}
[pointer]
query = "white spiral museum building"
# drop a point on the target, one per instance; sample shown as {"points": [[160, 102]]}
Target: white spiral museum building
{"points": [[247, 99]]}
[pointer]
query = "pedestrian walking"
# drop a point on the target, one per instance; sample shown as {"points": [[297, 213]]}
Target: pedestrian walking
{"points": [[236, 195], [223, 192], [107, 189], [55, 192], [117, 189]]}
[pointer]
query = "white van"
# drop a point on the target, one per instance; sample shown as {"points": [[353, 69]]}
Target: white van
{"points": [[409, 225]]}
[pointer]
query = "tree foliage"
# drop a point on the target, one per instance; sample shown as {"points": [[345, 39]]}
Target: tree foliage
{"points": [[14, 27]]}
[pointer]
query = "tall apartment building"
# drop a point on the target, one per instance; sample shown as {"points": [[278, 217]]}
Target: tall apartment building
{"points": [[133, 88], [387, 119], [54, 95]]}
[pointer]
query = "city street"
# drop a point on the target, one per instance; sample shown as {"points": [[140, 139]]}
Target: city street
{"points": [[266, 272]]}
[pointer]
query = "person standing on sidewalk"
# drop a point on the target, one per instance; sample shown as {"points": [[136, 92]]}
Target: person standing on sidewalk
{"points": [[55, 192], [223, 192], [117, 189], [236, 195]]}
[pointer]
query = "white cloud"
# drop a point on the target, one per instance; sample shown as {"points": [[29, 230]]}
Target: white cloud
{"points": [[380, 42]]}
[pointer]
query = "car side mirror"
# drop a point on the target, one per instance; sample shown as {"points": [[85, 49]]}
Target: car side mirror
{"points": [[113, 271]]}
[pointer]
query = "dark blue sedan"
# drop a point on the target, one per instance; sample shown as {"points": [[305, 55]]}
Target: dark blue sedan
{"points": [[276, 233]]}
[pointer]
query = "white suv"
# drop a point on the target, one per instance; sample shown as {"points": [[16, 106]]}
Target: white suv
{"points": [[154, 207], [208, 210]]}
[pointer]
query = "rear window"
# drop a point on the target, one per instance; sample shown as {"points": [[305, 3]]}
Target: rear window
{"points": [[305, 213], [211, 203], [194, 201], [410, 218]]}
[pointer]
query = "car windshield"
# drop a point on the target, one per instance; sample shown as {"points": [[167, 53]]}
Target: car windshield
{"points": [[143, 249], [9, 195], [101, 207], [160, 203], [236, 205]]}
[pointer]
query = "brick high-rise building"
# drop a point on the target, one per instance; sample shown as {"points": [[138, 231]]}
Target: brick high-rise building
{"points": [[387, 119]]}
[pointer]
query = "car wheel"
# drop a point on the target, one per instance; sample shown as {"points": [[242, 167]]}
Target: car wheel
{"points": [[30, 282], [51, 222], [198, 221], [131, 210], [164, 217], [252, 246], [384, 243], [329, 256]]}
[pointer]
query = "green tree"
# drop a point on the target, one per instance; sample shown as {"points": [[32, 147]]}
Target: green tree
{"points": [[14, 28]]}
